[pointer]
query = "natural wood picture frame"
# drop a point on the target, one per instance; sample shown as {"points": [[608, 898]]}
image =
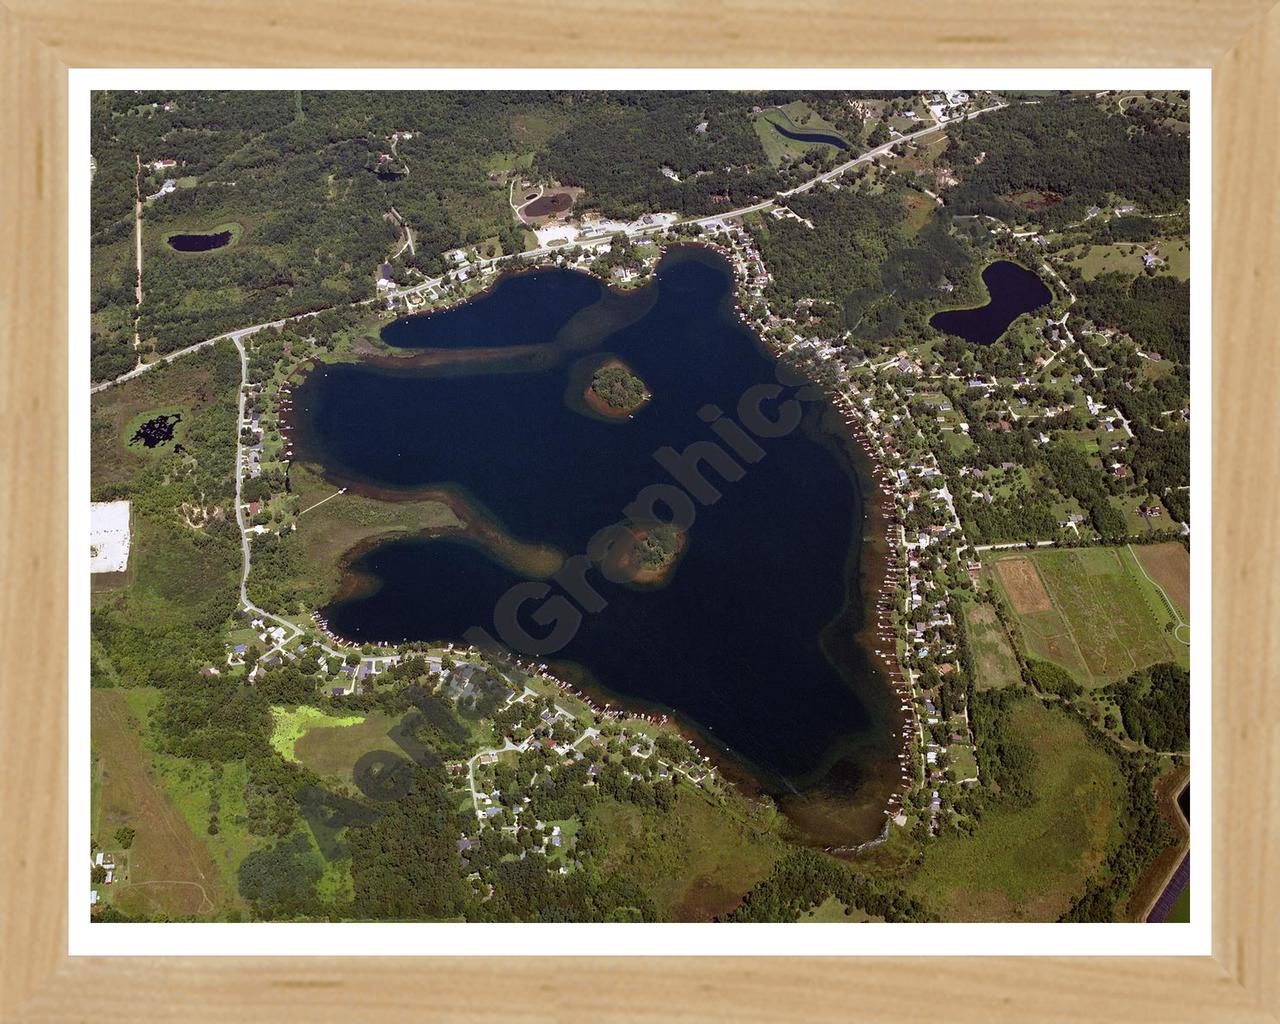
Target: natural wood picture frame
{"points": [[1239, 39]]}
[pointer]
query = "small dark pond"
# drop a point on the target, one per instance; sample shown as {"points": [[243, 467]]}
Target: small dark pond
{"points": [[1184, 802], [1014, 290], [814, 137], [557, 202], [199, 243], [156, 431]]}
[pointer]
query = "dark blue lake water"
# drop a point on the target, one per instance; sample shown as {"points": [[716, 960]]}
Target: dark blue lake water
{"points": [[751, 640], [523, 309], [814, 137], [1014, 290]]}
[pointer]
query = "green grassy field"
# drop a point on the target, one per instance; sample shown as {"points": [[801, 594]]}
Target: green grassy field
{"points": [[333, 749], [832, 911], [1092, 260], [1028, 864], [1090, 610], [796, 116], [695, 862], [290, 724], [168, 868], [994, 662]]}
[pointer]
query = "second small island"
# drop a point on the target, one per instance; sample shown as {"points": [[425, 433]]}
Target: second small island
{"points": [[615, 390], [654, 556]]}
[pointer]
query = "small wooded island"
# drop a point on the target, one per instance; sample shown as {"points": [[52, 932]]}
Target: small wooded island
{"points": [[655, 554], [615, 390]]}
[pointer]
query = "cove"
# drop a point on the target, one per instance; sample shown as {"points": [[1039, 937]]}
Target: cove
{"points": [[199, 243], [751, 642], [1013, 290]]}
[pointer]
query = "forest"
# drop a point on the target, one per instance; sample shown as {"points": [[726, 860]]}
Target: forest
{"points": [[615, 145], [1074, 151], [1155, 706], [864, 271]]}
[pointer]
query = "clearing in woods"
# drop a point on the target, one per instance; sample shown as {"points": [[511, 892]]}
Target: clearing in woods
{"points": [[169, 871], [1090, 610]]}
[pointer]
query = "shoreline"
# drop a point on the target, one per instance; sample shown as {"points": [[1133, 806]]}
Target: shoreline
{"points": [[878, 613]]}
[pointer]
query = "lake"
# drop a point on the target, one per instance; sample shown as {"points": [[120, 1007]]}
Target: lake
{"points": [[199, 243], [1013, 290], [752, 641]]}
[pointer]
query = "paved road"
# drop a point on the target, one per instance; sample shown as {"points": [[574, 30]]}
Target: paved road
{"points": [[1010, 547], [434, 283], [235, 336], [871, 154]]}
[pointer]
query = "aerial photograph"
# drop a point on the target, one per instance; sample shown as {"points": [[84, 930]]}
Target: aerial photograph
{"points": [[639, 506]]}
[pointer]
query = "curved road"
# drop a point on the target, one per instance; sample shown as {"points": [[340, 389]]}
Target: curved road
{"points": [[870, 154]]}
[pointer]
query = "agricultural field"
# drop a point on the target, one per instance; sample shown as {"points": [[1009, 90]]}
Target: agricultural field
{"points": [[1029, 863], [1169, 566], [994, 662], [1090, 610]]}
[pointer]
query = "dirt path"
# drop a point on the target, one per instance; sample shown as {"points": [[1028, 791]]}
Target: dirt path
{"points": [[137, 216]]}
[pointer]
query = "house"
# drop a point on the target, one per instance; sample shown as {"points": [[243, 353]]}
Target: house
{"points": [[160, 165]]}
